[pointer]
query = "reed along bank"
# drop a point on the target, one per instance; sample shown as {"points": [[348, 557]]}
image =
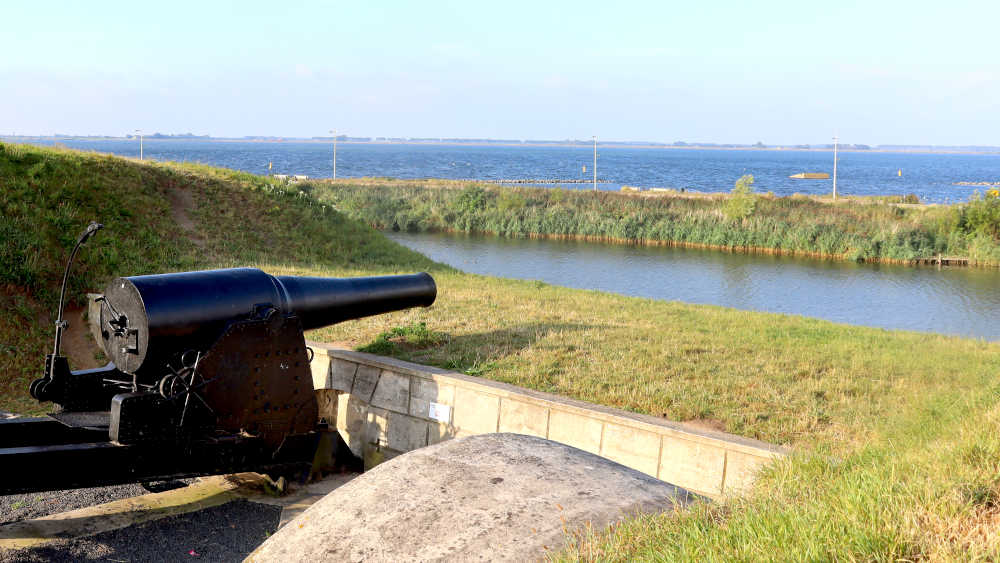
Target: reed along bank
{"points": [[864, 229]]}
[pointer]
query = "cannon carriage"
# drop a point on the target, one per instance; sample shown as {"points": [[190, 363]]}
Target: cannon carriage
{"points": [[209, 374]]}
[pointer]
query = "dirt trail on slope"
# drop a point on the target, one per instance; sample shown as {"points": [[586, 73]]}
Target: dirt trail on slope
{"points": [[78, 343], [181, 202]]}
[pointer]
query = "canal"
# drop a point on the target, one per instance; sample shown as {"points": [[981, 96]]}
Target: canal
{"points": [[959, 301]]}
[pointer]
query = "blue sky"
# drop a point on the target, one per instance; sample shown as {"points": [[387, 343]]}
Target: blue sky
{"points": [[779, 72]]}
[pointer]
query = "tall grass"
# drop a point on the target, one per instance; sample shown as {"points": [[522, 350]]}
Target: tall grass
{"points": [[849, 229]]}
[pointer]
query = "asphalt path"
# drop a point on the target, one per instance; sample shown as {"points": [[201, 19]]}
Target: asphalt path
{"points": [[226, 533], [14, 508]]}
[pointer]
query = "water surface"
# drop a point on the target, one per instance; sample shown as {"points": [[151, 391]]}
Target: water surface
{"points": [[960, 301], [929, 176]]}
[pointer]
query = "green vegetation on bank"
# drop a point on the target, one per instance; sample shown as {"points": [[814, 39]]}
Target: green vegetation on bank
{"points": [[897, 454], [158, 217], [851, 228]]}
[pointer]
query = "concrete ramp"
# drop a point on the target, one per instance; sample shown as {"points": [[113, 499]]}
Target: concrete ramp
{"points": [[486, 497]]}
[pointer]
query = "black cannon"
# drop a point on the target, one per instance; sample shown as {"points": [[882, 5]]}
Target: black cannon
{"points": [[209, 374]]}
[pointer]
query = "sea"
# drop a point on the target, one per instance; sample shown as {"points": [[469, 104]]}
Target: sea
{"points": [[930, 176]]}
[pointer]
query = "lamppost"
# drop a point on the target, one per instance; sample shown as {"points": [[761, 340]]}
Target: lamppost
{"points": [[139, 131], [595, 163], [834, 167], [334, 132]]}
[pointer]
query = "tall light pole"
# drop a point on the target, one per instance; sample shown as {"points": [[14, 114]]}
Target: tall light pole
{"points": [[334, 132], [139, 131], [595, 163], [835, 167]]}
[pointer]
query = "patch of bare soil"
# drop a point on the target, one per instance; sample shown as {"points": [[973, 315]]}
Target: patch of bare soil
{"points": [[78, 343], [710, 424], [181, 201], [341, 345]]}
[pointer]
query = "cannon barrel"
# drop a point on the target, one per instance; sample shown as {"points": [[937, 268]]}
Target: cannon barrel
{"points": [[147, 321]]}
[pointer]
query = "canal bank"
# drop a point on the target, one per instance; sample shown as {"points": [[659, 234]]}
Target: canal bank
{"points": [[875, 229], [960, 301]]}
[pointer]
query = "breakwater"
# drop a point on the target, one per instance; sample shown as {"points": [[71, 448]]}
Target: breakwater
{"points": [[542, 181]]}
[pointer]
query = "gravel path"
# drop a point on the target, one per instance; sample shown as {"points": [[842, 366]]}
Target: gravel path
{"points": [[33, 505], [14, 508], [220, 534]]}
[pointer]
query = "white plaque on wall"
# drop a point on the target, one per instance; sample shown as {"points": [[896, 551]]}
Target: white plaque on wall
{"points": [[439, 412]]}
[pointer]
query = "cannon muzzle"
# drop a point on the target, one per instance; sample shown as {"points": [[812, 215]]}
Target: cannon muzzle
{"points": [[147, 321]]}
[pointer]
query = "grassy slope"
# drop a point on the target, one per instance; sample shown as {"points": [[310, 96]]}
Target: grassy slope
{"points": [[852, 229], [898, 453], [236, 219]]}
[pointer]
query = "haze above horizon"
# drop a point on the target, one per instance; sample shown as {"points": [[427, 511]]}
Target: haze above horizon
{"points": [[719, 72]]}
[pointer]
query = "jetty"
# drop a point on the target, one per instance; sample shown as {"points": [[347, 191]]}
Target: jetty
{"points": [[944, 261]]}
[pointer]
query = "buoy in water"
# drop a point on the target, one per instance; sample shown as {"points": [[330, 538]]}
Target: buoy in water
{"points": [[899, 172]]}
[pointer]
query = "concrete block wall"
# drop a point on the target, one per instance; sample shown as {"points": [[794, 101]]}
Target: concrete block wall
{"points": [[383, 407]]}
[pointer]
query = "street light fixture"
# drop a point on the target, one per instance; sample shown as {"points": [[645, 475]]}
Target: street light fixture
{"points": [[334, 132], [139, 131], [835, 141]]}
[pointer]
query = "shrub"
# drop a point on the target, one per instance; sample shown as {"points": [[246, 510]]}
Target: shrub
{"points": [[742, 201], [510, 200], [472, 199], [982, 216]]}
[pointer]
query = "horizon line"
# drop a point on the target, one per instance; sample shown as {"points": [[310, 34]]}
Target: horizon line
{"points": [[492, 141]]}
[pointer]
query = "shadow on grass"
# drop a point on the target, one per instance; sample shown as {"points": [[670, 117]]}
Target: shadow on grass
{"points": [[472, 354]]}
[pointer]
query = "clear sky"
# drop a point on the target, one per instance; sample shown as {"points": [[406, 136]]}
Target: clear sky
{"points": [[877, 72]]}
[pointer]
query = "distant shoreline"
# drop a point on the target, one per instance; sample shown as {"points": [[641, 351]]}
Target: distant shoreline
{"points": [[992, 151]]}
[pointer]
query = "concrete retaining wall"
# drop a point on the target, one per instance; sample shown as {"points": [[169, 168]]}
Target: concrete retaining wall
{"points": [[383, 407]]}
